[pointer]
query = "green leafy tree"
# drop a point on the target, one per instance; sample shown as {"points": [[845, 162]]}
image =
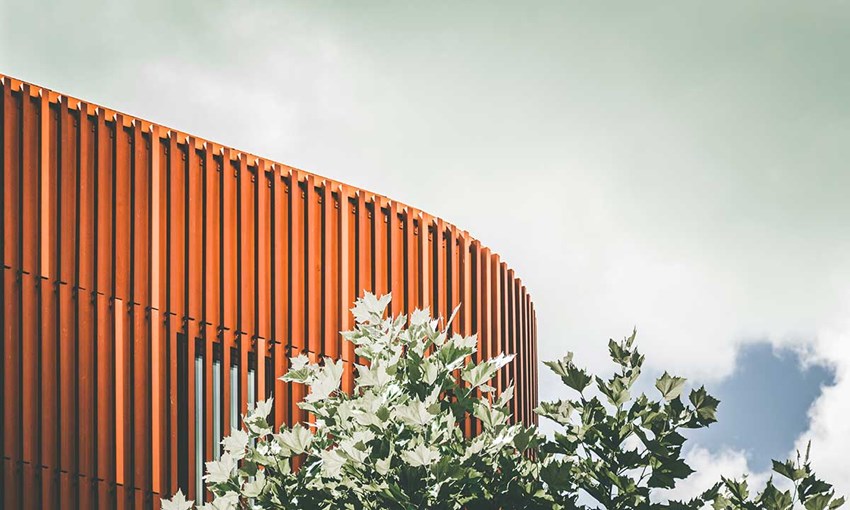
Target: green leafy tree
{"points": [[395, 442]]}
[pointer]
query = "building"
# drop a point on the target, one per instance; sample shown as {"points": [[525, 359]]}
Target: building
{"points": [[154, 285]]}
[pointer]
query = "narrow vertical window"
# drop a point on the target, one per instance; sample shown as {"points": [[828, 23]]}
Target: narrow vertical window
{"points": [[217, 415], [183, 412], [234, 397], [199, 425]]}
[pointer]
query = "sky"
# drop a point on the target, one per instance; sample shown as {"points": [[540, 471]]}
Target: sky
{"points": [[675, 166]]}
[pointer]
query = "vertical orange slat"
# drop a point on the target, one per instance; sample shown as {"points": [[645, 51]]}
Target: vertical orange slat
{"points": [[347, 275], [85, 397], [246, 252], [140, 228], [296, 282], [280, 293], [139, 358], [12, 396], [425, 262], [195, 245], [68, 435], [263, 238], [364, 246], [105, 421], [411, 261], [45, 196], [379, 246], [30, 173], [11, 174], [229, 247], [396, 259], [313, 263], [120, 388], [85, 202], [246, 274], [66, 141], [495, 342], [176, 226], [50, 384], [139, 395], [122, 212], [296, 268], [194, 294], [104, 207], [29, 361], [157, 338], [212, 279], [331, 209], [175, 311], [452, 274], [441, 245]]}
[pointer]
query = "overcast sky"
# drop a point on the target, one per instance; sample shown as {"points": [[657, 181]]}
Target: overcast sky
{"points": [[678, 166]]}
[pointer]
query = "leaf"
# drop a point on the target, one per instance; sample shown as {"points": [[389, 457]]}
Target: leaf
{"points": [[669, 386], [297, 439], [421, 455], [704, 404], [220, 471], [177, 502], [571, 375], [236, 443]]}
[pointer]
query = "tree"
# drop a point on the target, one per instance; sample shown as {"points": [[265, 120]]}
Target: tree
{"points": [[395, 441]]}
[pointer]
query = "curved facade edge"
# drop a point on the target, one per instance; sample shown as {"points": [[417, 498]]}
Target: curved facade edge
{"points": [[155, 284]]}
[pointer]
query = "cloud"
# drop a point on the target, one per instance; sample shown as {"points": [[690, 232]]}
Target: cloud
{"points": [[829, 416], [709, 467]]}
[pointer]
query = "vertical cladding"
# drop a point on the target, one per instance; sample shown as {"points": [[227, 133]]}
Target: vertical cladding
{"points": [[140, 265]]}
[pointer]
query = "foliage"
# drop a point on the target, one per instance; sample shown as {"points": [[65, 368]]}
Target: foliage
{"points": [[395, 441]]}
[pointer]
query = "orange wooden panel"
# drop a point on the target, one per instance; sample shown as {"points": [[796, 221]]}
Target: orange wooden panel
{"points": [[123, 218], [347, 265], [263, 238], [330, 292], [496, 331], [29, 362], [141, 227], [68, 377], [280, 292], [227, 346], [30, 214], [86, 201], [104, 210], [49, 413], [86, 393], [212, 238], [396, 258], [173, 447], [107, 325], [229, 246], [313, 265], [176, 226], [247, 248], [364, 246], [121, 386], [11, 176], [452, 274], [195, 244], [65, 141], [379, 246], [426, 262], [411, 261], [46, 143], [441, 294], [159, 399], [140, 398], [297, 293]]}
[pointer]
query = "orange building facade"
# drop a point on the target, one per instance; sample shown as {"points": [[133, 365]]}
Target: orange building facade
{"points": [[155, 285]]}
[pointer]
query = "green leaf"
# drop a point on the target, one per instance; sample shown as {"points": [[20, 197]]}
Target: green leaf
{"points": [[669, 386]]}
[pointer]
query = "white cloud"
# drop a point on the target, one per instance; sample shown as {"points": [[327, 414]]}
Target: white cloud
{"points": [[709, 467], [829, 416]]}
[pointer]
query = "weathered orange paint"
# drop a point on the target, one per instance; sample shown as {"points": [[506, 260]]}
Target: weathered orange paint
{"points": [[122, 238]]}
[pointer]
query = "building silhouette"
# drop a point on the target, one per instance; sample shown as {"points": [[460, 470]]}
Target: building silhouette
{"points": [[155, 284]]}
